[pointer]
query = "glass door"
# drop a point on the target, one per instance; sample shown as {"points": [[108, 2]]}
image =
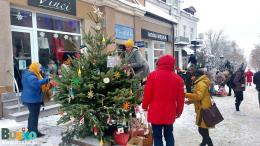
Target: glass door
{"points": [[22, 52]]}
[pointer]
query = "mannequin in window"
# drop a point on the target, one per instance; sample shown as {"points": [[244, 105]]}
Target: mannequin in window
{"points": [[44, 50], [57, 48], [69, 44]]}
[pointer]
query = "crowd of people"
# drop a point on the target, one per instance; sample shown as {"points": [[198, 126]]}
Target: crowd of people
{"points": [[164, 103]]}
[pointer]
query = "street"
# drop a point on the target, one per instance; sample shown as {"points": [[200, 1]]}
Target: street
{"points": [[238, 128]]}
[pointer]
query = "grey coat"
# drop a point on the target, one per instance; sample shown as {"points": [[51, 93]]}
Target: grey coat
{"points": [[138, 63]]}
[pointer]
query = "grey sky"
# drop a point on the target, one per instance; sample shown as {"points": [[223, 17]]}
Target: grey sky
{"points": [[238, 18]]}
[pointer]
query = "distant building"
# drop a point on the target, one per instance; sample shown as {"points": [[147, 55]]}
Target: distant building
{"points": [[186, 36]]}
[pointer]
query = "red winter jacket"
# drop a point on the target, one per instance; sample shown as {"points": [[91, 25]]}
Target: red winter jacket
{"points": [[163, 93], [249, 76]]}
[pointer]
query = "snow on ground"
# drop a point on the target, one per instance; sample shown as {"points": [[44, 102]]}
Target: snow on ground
{"points": [[238, 129], [47, 125]]}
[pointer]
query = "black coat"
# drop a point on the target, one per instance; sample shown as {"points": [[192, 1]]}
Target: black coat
{"points": [[256, 80]]}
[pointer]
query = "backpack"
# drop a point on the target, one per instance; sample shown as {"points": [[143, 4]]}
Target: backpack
{"points": [[231, 81]]}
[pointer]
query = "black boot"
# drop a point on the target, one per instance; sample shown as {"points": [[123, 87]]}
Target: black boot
{"points": [[237, 107]]}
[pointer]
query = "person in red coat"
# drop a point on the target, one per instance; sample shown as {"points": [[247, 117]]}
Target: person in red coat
{"points": [[164, 99], [249, 77]]}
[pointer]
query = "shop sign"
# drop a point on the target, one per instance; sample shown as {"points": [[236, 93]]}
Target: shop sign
{"points": [[124, 32], [154, 35], [64, 6], [139, 44]]}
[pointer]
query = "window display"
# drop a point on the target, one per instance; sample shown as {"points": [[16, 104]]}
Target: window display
{"points": [[57, 23], [54, 47], [21, 18]]}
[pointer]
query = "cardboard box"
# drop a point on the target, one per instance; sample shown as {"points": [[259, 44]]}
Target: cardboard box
{"points": [[135, 141]]}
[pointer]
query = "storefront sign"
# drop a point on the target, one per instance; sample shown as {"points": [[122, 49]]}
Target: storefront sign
{"points": [[139, 44], [154, 35], [124, 32], [64, 6]]}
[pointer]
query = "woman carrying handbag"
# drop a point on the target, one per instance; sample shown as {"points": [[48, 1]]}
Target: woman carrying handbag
{"points": [[201, 99]]}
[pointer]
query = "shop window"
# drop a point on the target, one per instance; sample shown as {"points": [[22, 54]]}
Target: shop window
{"points": [[21, 18], [57, 23], [54, 48], [159, 50]]}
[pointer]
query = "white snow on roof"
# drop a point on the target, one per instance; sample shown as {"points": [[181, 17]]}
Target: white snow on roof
{"points": [[157, 11], [138, 6]]}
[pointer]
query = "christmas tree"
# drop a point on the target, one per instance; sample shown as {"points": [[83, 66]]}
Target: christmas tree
{"points": [[94, 96]]}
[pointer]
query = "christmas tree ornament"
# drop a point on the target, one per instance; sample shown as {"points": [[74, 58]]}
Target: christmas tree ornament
{"points": [[69, 99], [90, 94], [109, 120], [101, 142], [103, 40], [71, 93], [131, 92], [54, 91], [72, 119], [81, 120], [75, 81], [106, 80], [117, 75], [67, 62], [126, 105], [79, 72], [95, 130]]}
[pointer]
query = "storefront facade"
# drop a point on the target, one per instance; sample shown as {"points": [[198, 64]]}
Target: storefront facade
{"points": [[158, 39], [41, 31], [46, 32]]}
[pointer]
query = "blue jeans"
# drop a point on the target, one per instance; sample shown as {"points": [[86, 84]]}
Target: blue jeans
{"points": [[167, 131], [34, 111]]}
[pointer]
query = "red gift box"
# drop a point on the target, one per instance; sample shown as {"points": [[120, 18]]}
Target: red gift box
{"points": [[121, 139]]}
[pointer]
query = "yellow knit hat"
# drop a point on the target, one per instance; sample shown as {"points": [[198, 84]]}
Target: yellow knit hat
{"points": [[129, 43]]}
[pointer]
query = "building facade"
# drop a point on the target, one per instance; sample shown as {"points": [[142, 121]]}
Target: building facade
{"points": [[185, 35], [36, 30]]}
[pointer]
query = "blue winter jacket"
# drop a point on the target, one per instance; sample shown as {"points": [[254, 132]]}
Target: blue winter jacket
{"points": [[32, 88]]}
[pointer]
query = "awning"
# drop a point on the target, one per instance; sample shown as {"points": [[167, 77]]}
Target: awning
{"points": [[188, 50]]}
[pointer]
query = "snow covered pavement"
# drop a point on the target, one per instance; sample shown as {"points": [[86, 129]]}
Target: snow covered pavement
{"points": [[238, 128]]}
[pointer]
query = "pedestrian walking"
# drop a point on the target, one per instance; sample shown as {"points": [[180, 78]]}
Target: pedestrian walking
{"points": [[249, 77], [32, 95], [164, 104], [135, 60], [239, 82], [187, 79], [256, 81], [201, 99]]}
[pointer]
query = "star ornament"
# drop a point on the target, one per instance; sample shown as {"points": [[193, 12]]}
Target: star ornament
{"points": [[19, 16], [90, 94], [117, 75], [75, 81], [126, 106]]}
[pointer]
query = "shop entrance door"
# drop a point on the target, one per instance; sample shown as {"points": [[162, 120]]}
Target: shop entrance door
{"points": [[22, 52]]}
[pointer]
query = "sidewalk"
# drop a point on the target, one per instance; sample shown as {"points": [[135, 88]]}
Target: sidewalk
{"points": [[238, 128]]}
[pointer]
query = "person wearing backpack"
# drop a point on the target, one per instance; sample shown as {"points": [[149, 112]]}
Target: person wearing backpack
{"points": [[239, 82], [256, 81]]}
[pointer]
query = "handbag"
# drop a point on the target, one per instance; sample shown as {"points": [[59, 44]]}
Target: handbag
{"points": [[211, 115]]}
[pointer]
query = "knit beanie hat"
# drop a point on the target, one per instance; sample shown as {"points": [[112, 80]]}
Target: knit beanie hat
{"points": [[129, 43]]}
